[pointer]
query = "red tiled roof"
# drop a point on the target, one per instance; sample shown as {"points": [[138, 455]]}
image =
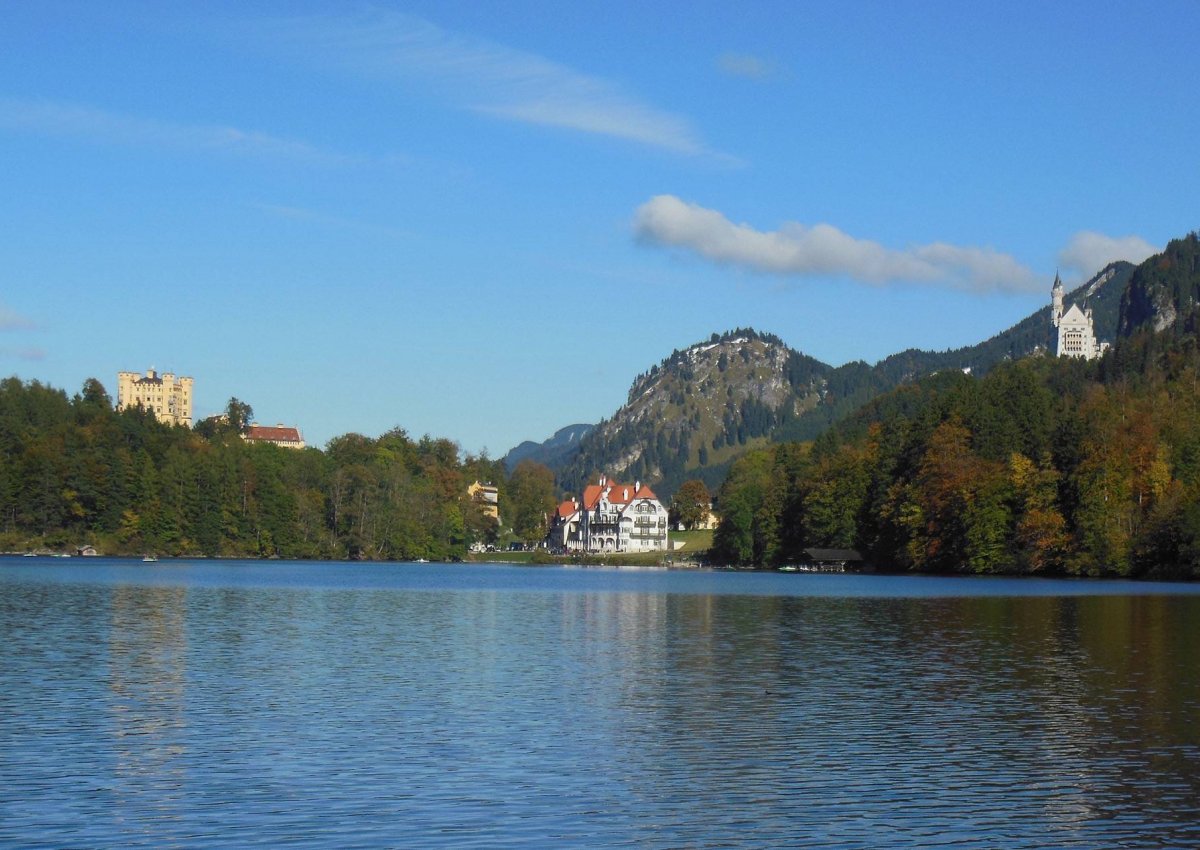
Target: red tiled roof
{"points": [[618, 494], [566, 509], [273, 434], [621, 494]]}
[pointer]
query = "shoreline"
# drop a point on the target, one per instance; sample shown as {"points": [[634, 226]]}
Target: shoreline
{"points": [[526, 559]]}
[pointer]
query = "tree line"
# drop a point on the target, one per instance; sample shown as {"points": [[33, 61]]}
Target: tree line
{"points": [[74, 471], [1043, 466]]}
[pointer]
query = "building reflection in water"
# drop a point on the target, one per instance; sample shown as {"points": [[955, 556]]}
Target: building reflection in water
{"points": [[147, 679]]}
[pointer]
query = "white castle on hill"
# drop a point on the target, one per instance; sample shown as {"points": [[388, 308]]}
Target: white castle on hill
{"points": [[1076, 334]]}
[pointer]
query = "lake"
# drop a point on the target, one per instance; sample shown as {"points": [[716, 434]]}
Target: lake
{"points": [[269, 704]]}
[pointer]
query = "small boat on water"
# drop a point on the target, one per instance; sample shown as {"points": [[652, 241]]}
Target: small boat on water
{"points": [[149, 559]]}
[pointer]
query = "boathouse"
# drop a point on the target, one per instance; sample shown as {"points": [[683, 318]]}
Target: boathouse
{"points": [[831, 560]]}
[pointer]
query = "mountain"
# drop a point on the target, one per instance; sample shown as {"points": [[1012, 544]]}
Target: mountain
{"points": [[1043, 466], [699, 409], [1164, 292], [703, 407], [554, 452]]}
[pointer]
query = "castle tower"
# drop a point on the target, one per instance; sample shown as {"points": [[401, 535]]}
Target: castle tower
{"points": [[167, 397], [1056, 300], [1075, 330]]}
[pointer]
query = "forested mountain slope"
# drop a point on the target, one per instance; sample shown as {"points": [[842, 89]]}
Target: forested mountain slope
{"points": [[703, 407], [1044, 465]]}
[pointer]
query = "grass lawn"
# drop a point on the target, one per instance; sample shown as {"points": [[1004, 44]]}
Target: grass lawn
{"points": [[695, 542]]}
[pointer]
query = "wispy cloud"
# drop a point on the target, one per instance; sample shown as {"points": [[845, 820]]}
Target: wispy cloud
{"points": [[309, 216], [824, 250], [1088, 252], [745, 65], [31, 354], [50, 118], [486, 77], [11, 321]]}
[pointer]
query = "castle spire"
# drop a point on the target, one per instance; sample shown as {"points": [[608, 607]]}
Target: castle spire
{"points": [[1056, 299]]}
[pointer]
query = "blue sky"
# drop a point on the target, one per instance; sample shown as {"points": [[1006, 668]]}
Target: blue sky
{"points": [[481, 221]]}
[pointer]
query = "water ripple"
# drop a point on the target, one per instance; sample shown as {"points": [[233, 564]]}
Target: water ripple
{"points": [[204, 706]]}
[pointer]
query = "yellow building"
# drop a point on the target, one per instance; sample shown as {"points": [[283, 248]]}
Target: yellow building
{"points": [[167, 397], [488, 498]]}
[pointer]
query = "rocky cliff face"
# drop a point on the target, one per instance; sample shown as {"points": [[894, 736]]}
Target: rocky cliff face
{"points": [[1164, 291], [700, 408]]}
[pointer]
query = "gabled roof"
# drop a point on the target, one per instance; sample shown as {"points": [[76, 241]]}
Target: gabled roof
{"points": [[645, 493], [1073, 314], [832, 554], [591, 495], [273, 434], [620, 494], [566, 509]]}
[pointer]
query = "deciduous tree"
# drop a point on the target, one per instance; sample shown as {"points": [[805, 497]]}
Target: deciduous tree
{"points": [[690, 504]]}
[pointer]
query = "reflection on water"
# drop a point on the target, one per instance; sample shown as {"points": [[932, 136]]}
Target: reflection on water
{"points": [[147, 666], [238, 707]]}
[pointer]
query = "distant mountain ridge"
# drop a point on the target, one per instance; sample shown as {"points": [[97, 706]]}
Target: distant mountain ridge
{"points": [[551, 452], [701, 408]]}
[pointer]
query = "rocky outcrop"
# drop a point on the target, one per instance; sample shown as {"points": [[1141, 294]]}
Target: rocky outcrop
{"points": [[700, 408], [1164, 291]]}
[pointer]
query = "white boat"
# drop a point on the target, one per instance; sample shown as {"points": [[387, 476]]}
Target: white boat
{"points": [[149, 559]]}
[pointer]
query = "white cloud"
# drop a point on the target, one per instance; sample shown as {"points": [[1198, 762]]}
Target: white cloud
{"points": [[1089, 252], [486, 77], [745, 65], [822, 249], [64, 119]]}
